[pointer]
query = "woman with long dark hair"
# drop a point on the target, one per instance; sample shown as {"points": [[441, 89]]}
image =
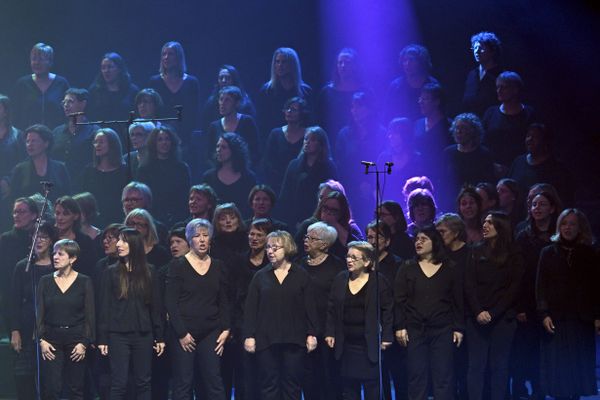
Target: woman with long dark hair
{"points": [[197, 301], [468, 205], [303, 176], [65, 322], [130, 324], [22, 310], [391, 214], [353, 328], [231, 178], [569, 307], [492, 283], [430, 316], [112, 93], [525, 355]]}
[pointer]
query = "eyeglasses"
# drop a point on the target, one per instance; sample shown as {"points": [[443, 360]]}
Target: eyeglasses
{"points": [[311, 238], [353, 258], [273, 248], [291, 109], [43, 238]]}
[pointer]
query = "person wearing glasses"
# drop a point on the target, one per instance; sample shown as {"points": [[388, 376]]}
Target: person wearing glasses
{"points": [[333, 210], [280, 321], [352, 327], [22, 311], [322, 268], [429, 316], [142, 221]]}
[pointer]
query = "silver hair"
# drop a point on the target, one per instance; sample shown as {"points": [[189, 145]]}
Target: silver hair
{"points": [[326, 233]]}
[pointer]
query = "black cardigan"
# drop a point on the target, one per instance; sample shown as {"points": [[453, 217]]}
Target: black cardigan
{"points": [[335, 314]]}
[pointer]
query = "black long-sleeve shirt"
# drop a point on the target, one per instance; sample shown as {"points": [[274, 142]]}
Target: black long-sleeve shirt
{"points": [[22, 311], [322, 276], [242, 271], [73, 308], [197, 304], [492, 286], [131, 314], [280, 312], [429, 302]]}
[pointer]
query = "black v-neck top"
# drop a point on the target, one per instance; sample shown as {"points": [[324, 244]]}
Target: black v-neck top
{"points": [[73, 309]]}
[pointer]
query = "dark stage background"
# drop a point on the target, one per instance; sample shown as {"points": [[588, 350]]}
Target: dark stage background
{"points": [[553, 44]]}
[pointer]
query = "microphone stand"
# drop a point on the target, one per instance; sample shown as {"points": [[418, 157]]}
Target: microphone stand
{"points": [[46, 188], [127, 123], [378, 173]]}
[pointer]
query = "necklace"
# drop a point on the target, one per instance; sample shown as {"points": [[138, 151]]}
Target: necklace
{"points": [[317, 260]]}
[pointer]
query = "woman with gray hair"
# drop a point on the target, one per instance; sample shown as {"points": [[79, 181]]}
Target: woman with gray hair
{"points": [[322, 268], [198, 305], [138, 135]]}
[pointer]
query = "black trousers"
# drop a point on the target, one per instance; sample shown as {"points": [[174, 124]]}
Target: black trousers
{"points": [[62, 369], [205, 360], [489, 345], [351, 389], [430, 351], [250, 386], [393, 368], [280, 368], [321, 380], [130, 348], [525, 358]]}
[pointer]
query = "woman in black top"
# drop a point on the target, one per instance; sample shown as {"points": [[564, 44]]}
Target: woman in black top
{"points": [[334, 210], [230, 99], [67, 217], [303, 176], [130, 321], [393, 363], [112, 93], [392, 215], [353, 328], [22, 310], [280, 322], [106, 176], [321, 381], [231, 178], [284, 143], [198, 305], [429, 316], [143, 222], [249, 263], [492, 281], [26, 176], [228, 76], [569, 307], [167, 176], [262, 201], [525, 360], [66, 323]]}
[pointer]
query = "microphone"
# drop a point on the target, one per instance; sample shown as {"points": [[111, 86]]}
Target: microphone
{"points": [[178, 110], [389, 166], [367, 164], [76, 114]]}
